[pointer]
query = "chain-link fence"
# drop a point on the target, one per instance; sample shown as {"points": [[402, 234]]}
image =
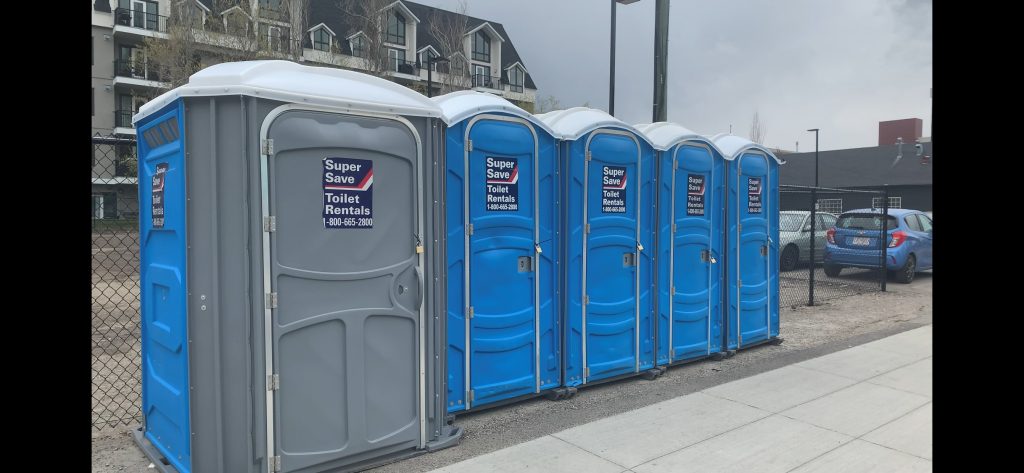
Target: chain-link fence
{"points": [[116, 369], [815, 262]]}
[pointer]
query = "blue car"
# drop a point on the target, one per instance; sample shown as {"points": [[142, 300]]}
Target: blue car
{"points": [[853, 242]]}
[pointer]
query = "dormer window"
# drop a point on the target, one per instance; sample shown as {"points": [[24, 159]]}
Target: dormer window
{"points": [[516, 79], [396, 28], [481, 47], [358, 45], [321, 39]]}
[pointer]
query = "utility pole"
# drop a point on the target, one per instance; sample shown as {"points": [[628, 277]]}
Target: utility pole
{"points": [[611, 76], [661, 61]]}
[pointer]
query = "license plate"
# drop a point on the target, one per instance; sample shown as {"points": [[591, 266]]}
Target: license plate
{"points": [[861, 241]]}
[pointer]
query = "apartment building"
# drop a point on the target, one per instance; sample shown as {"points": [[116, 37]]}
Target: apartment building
{"points": [[393, 39]]}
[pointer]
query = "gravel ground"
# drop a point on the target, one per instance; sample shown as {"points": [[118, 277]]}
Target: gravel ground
{"points": [[808, 332]]}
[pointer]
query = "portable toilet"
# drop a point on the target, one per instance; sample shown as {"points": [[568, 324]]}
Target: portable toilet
{"points": [[752, 242], [501, 194], [607, 217], [289, 271], [690, 243]]}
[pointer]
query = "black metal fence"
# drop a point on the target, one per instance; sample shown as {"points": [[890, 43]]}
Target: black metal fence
{"points": [[808, 217], [116, 327]]}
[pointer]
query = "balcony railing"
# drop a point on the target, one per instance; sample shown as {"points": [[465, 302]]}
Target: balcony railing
{"points": [[123, 118], [490, 82], [403, 67], [140, 19], [136, 69]]}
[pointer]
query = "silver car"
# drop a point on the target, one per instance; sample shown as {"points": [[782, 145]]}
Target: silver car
{"points": [[795, 237]]}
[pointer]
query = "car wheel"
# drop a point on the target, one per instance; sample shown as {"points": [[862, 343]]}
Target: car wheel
{"points": [[832, 270], [906, 274], [790, 256]]}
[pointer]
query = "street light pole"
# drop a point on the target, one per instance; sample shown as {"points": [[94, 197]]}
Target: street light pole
{"points": [[815, 130], [660, 61], [611, 61]]}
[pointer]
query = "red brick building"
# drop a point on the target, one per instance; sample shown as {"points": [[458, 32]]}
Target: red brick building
{"points": [[909, 129]]}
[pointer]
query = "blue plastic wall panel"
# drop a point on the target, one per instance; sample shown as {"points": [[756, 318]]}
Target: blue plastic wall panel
{"points": [[619, 327], [752, 257], [691, 195], [512, 189], [165, 385]]}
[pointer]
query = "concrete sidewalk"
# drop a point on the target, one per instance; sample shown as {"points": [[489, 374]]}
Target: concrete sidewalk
{"points": [[866, 408]]}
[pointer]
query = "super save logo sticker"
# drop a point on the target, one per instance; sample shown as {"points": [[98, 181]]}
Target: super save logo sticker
{"points": [[502, 184], [348, 193], [694, 194], [613, 189]]}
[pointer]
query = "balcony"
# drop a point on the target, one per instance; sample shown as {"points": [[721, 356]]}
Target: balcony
{"points": [[137, 73], [123, 122], [407, 68], [487, 82], [139, 23]]}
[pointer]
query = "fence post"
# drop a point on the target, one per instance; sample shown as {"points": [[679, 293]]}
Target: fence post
{"points": [[885, 232], [814, 216]]}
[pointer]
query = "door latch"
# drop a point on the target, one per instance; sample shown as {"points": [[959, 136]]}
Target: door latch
{"points": [[705, 256], [628, 259], [525, 264], [764, 250]]}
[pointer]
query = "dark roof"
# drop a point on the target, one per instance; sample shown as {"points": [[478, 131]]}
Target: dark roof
{"points": [[329, 13], [209, 4], [858, 167]]}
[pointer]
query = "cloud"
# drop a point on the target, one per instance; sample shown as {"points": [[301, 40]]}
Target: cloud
{"points": [[841, 66]]}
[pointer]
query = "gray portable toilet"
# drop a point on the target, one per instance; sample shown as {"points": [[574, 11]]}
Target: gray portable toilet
{"points": [[290, 271]]}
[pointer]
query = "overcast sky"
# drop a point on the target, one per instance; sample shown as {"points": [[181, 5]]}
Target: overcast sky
{"points": [[838, 65]]}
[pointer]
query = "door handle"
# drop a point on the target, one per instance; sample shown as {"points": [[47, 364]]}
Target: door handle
{"points": [[419, 281]]}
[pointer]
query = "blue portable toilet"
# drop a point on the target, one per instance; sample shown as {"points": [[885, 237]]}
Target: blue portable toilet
{"points": [[501, 189], [690, 243], [607, 216], [752, 236], [291, 272]]}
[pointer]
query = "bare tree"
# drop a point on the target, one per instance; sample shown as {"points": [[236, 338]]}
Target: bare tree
{"points": [[548, 104], [370, 18], [449, 29], [298, 16], [757, 130], [176, 58]]}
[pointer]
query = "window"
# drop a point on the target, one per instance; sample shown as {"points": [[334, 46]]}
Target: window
{"points": [[912, 223], [821, 224], [321, 40], [829, 221], [271, 4], [358, 45], [791, 222], [424, 59], [831, 205], [396, 59], [396, 28], [516, 77], [926, 223], [274, 38], [236, 23], [482, 76], [894, 202], [142, 14], [864, 222], [481, 47]]}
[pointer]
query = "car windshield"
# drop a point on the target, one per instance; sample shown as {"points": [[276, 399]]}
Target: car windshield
{"points": [[864, 222], [790, 222]]}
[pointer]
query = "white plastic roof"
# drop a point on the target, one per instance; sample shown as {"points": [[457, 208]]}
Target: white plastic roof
{"points": [[291, 82], [575, 122], [665, 135], [733, 146], [458, 106]]}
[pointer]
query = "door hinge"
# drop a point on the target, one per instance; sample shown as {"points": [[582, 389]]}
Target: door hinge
{"points": [[469, 229], [270, 224], [273, 382], [586, 299], [469, 145], [275, 464], [671, 353], [271, 300], [673, 228], [586, 372], [741, 227], [672, 290], [267, 146], [739, 283], [586, 228], [469, 312], [471, 395], [588, 156]]}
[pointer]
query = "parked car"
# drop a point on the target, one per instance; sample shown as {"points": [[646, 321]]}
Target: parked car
{"points": [[795, 236], [853, 242]]}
